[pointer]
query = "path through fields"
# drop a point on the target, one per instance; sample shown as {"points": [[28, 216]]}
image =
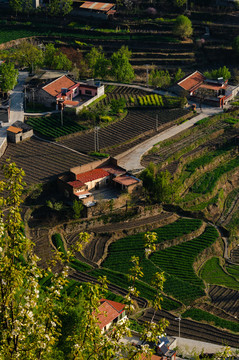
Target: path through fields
{"points": [[131, 160]]}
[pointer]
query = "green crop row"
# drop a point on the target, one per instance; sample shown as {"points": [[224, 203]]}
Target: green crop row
{"points": [[51, 126], [146, 291], [207, 158], [150, 100], [200, 315], [178, 260], [214, 274], [207, 182]]}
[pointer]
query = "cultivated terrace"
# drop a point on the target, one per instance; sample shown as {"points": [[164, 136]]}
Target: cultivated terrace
{"points": [[119, 67]]}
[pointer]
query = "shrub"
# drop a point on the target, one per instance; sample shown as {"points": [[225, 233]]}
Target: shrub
{"points": [[106, 118], [77, 208]]}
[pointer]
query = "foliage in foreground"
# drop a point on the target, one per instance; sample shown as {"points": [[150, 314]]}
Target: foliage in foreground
{"points": [[45, 323]]}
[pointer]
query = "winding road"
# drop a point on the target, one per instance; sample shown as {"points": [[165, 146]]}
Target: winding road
{"points": [[131, 160]]}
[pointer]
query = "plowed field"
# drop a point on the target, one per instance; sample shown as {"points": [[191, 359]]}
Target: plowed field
{"points": [[43, 161], [225, 299], [134, 124], [193, 330]]}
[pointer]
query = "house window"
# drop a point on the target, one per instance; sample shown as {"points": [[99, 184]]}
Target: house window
{"points": [[88, 92]]}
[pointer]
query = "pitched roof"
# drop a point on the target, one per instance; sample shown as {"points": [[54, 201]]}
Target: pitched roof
{"points": [[126, 180], [14, 129], [118, 306], [76, 184], [92, 175], [54, 88], [191, 81], [108, 312], [91, 5]]}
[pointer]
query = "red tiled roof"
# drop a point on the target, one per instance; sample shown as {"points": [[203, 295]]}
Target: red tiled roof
{"points": [[126, 180], [192, 81], [153, 357], [92, 175], [91, 5], [115, 170], [14, 129], [107, 312], [54, 88], [212, 87], [76, 184], [118, 306], [71, 103]]}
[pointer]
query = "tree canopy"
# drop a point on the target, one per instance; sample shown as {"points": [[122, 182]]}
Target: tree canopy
{"points": [[121, 69], [8, 77], [183, 27], [39, 320], [235, 44], [217, 73]]}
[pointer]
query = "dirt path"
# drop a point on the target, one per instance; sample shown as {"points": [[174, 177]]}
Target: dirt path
{"points": [[131, 160]]}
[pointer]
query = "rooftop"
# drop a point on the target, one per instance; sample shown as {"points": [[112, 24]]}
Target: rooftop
{"points": [[54, 88], [76, 184], [108, 311], [14, 129], [92, 175], [91, 5], [191, 81], [126, 180]]}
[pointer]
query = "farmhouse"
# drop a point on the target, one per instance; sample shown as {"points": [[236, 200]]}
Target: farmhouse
{"points": [[19, 131], [81, 180], [198, 88], [96, 9], [62, 91], [110, 312]]}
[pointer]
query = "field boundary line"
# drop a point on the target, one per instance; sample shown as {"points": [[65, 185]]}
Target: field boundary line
{"points": [[57, 144]]}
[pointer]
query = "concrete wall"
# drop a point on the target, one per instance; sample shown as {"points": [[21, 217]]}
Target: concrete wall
{"points": [[102, 182], [100, 92], [43, 97], [16, 138], [3, 146], [87, 167]]}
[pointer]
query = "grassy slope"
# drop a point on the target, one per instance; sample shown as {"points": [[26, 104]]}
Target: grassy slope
{"points": [[213, 273]]}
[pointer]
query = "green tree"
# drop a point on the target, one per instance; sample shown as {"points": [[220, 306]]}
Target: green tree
{"points": [[97, 62], [180, 3], [55, 59], [8, 77], [183, 27], [43, 322], [28, 55], [121, 69], [178, 75], [235, 45], [159, 78], [159, 186], [217, 73], [78, 208], [16, 5], [66, 6]]}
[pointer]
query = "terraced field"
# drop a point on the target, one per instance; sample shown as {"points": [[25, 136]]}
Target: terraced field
{"points": [[181, 281], [225, 299], [43, 161], [133, 125], [193, 330]]}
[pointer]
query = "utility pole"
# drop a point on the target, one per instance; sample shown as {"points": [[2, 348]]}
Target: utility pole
{"points": [[62, 108], [157, 122], [147, 75], [25, 97], [96, 138], [179, 320]]}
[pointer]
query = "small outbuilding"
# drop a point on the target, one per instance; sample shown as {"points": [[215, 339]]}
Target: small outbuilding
{"points": [[19, 131], [97, 9], [110, 312]]}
